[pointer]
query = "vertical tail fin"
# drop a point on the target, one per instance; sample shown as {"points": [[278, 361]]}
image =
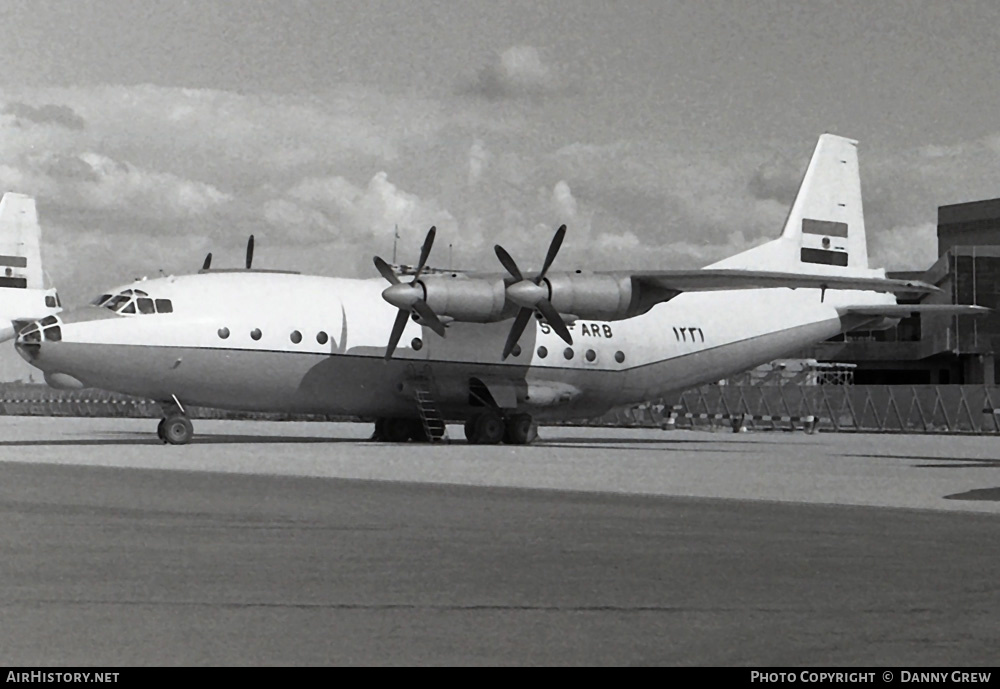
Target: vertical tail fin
{"points": [[827, 218], [20, 239], [22, 294], [825, 229]]}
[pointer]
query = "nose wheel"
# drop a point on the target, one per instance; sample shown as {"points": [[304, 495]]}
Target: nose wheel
{"points": [[175, 429]]}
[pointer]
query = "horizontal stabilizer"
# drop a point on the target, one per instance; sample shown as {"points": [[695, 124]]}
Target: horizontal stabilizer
{"points": [[906, 310], [708, 280]]}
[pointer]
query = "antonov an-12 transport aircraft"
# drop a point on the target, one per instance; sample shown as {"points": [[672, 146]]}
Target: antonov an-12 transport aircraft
{"points": [[499, 352]]}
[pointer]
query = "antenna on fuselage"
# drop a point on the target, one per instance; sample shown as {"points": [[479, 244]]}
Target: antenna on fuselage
{"points": [[207, 265], [395, 239], [249, 252]]}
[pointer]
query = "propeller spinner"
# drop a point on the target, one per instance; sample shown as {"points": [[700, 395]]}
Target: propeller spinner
{"points": [[531, 295], [408, 297]]}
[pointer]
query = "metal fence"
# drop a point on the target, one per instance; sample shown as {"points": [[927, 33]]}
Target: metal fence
{"points": [[843, 408]]}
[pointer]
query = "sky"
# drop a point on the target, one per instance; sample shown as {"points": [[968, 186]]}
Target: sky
{"points": [[664, 134]]}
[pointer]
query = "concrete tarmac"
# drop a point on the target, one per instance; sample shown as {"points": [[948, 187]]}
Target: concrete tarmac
{"points": [[302, 544]]}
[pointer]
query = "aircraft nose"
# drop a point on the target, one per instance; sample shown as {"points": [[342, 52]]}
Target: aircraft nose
{"points": [[29, 339]]}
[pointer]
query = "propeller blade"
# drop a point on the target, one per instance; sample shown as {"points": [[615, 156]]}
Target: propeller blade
{"points": [[385, 271], [208, 262], [557, 241], [425, 251], [523, 316], [249, 252], [428, 317], [397, 332], [555, 320], [508, 262]]}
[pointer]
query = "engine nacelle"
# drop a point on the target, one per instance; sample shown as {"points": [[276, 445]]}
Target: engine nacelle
{"points": [[593, 297], [473, 300]]}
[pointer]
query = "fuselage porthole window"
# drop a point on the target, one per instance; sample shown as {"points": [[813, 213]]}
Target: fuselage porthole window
{"points": [[568, 353], [145, 305], [620, 357], [516, 351], [164, 306], [295, 337], [255, 333], [416, 344], [322, 337], [591, 355], [542, 352], [224, 332]]}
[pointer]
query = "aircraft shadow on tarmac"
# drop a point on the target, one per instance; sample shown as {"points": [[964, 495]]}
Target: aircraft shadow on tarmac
{"points": [[125, 438], [642, 444], [941, 462], [986, 494]]}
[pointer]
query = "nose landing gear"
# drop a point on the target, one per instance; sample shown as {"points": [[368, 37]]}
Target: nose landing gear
{"points": [[175, 428]]}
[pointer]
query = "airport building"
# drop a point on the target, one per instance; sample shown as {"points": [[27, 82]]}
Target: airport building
{"points": [[938, 349]]}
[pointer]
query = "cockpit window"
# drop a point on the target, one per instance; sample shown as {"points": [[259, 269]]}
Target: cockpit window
{"points": [[116, 301], [134, 301]]}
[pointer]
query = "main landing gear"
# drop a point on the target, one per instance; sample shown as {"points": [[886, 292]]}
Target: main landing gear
{"points": [[491, 427], [175, 427]]}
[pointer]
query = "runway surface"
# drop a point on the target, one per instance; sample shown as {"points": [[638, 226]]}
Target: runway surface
{"points": [[268, 543]]}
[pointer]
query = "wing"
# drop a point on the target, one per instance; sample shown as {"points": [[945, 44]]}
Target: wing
{"points": [[905, 310], [734, 279]]}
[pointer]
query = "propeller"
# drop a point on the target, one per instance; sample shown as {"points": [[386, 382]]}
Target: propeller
{"points": [[249, 252], [530, 295], [408, 297]]}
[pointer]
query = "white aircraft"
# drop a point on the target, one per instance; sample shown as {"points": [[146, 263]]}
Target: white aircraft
{"points": [[22, 297], [580, 344]]}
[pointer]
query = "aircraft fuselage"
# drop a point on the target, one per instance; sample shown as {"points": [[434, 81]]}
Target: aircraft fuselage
{"points": [[286, 342]]}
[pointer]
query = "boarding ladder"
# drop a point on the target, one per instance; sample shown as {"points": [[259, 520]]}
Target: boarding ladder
{"points": [[430, 416]]}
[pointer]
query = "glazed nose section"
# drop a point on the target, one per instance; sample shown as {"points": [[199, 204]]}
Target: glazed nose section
{"points": [[30, 338]]}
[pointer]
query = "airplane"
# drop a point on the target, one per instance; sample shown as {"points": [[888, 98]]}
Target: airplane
{"points": [[435, 347], [22, 297]]}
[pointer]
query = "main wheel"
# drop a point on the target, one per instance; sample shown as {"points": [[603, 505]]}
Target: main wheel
{"points": [[177, 429], [521, 430], [488, 428]]}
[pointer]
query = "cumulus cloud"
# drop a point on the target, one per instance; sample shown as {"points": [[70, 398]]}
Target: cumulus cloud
{"points": [[563, 203], [90, 180], [518, 71], [778, 180], [61, 115], [374, 209], [479, 158], [903, 248]]}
